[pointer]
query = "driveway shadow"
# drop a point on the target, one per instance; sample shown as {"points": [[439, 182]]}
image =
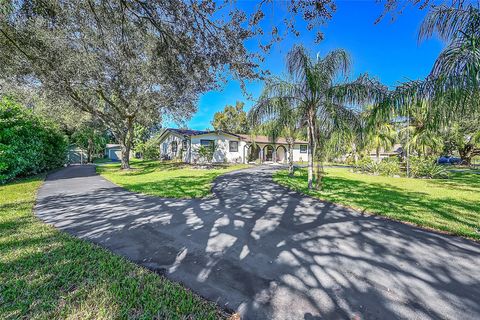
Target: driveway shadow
{"points": [[268, 252]]}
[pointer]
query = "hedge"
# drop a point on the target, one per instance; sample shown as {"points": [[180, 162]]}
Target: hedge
{"points": [[29, 144]]}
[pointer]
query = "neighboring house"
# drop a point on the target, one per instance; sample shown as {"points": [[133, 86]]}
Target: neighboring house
{"points": [[239, 148], [395, 151]]}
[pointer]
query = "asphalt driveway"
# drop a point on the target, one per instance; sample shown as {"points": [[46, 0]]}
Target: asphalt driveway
{"points": [[271, 253]]}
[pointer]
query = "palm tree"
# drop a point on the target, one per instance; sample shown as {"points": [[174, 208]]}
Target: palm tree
{"points": [[381, 136], [319, 100], [460, 27], [453, 85], [424, 135], [278, 118]]}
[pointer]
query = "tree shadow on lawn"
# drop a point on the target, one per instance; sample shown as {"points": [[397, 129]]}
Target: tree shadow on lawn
{"points": [[148, 167], [142, 167], [61, 277], [269, 252], [459, 181], [458, 216], [47, 274], [176, 187]]}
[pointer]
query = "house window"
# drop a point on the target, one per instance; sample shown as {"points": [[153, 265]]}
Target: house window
{"points": [[184, 144], [233, 146], [303, 148], [206, 143], [174, 146]]}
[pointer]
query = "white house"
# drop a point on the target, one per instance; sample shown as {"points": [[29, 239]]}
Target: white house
{"points": [[238, 148]]}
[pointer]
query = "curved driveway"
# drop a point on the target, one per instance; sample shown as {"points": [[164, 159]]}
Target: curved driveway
{"points": [[271, 253]]}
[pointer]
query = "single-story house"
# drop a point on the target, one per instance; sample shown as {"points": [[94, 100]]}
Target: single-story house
{"points": [[228, 147], [396, 150]]}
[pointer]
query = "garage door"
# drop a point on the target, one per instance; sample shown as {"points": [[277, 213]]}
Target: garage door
{"points": [[115, 154]]}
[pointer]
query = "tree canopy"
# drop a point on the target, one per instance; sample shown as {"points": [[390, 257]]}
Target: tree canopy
{"points": [[232, 119], [130, 61]]}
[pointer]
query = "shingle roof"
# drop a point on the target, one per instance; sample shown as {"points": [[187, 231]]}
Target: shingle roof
{"points": [[188, 132]]}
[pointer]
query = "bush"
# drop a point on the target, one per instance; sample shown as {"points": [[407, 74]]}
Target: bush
{"points": [[366, 164], [427, 168], [28, 143], [151, 150], [350, 160], [206, 153], [386, 167], [390, 167]]}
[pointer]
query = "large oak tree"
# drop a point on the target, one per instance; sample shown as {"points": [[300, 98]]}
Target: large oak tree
{"points": [[131, 61]]}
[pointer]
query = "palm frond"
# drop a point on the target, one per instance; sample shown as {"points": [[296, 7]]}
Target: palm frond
{"points": [[335, 63], [448, 21], [459, 59], [363, 90], [298, 62]]}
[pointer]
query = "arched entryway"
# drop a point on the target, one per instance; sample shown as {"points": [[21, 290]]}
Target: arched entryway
{"points": [[268, 153], [281, 154], [252, 152]]}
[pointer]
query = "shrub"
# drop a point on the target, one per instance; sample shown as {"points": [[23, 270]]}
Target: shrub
{"points": [[206, 153], [151, 150], [427, 168], [373, 167], [366, 164], [28, 143], [389, 167], [350, 160]]}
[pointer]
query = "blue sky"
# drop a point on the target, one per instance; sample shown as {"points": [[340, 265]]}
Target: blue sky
{"points": [[388, 50]]}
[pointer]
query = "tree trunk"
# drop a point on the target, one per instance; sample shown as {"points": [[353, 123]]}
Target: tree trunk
{"points": [[378, 154], [466, 153], [126, 144], [290, 159], [311, 150], [319, 181]]}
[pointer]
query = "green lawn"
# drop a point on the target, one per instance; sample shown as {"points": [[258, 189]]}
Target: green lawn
{"points": [[451, 205], [165, 179], [47, 274]]}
